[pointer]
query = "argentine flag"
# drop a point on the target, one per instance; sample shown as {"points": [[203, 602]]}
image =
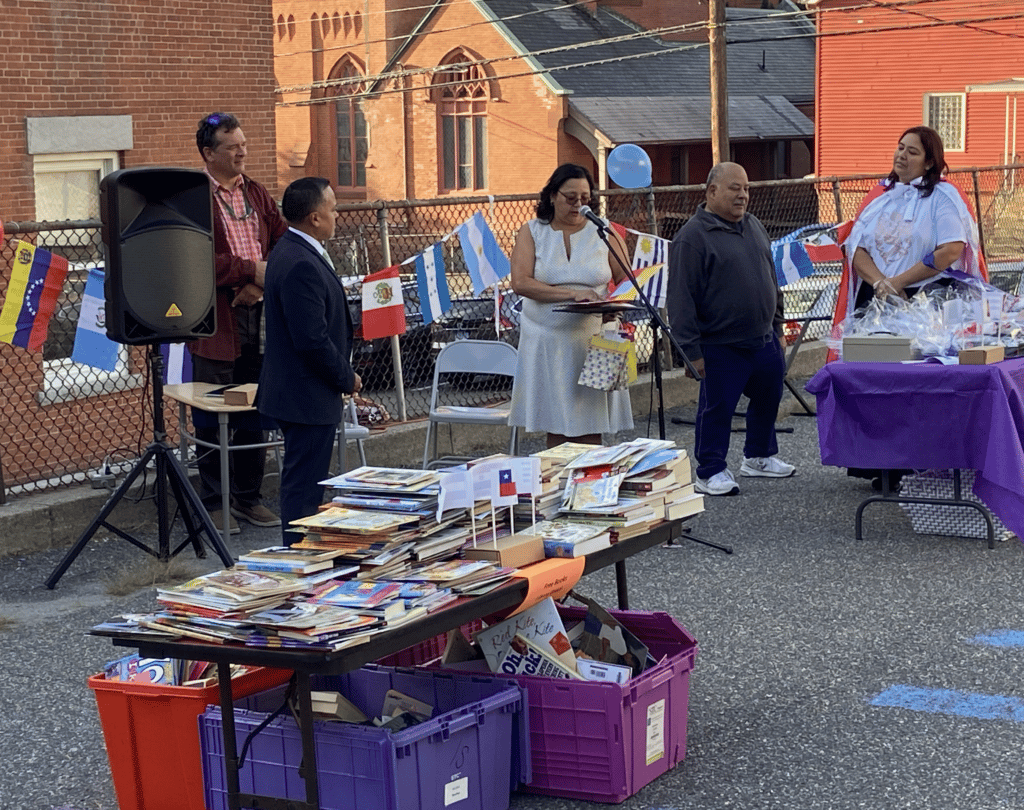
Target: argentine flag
{"points": [[432, 284], [485, 261]]}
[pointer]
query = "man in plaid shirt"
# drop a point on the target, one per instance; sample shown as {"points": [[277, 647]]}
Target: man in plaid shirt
{"points": [[246, 225]]}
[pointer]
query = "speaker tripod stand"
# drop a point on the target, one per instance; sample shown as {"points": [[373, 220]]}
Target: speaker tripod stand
{"points": [[169, 471]]}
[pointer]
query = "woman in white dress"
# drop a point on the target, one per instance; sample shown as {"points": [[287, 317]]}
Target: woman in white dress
{"points": [[560, 257]]}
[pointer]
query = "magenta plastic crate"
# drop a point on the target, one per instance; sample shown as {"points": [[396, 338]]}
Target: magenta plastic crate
{"points": [[471, 754], [603, 741], [425, 652]]}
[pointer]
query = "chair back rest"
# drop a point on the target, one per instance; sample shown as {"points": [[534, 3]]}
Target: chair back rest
{"points": [[474, 357]]}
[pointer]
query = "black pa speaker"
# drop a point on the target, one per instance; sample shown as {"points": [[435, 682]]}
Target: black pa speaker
{"points": [[160, 285]]}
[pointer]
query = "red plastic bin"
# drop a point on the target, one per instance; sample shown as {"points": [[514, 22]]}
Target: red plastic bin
{"points": [[603, 742], [151, 733]]}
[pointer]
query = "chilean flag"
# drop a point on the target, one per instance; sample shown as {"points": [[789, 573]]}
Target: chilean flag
{"points": [[383, 305]]}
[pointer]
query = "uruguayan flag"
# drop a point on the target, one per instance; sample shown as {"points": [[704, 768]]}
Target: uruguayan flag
{"points": [[485, 261], [432, 284]]}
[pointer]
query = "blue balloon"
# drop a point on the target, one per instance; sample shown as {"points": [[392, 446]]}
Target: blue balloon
{"points": [[629, 166]]}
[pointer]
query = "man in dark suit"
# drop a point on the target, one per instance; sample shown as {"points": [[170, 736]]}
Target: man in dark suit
{"points": [[307, 363]]}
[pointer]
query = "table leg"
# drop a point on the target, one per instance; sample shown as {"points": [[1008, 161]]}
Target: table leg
{"points": [[895, 497], [309, 768], [225, 476], [227, 714], [621, 585]]}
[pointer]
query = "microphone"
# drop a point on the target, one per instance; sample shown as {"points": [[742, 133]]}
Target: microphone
{"points": [[589, 214]]}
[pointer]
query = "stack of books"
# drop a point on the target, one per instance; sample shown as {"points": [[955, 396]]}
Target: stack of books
{"points": [[291, 560], [232, 593], [553, 474]]}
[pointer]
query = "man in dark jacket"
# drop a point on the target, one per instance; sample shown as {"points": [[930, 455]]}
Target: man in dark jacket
{"points": [[246, 224], [307, 366], [725, 309]]}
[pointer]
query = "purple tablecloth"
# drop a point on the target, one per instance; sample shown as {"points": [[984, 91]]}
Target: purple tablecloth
{"points": [[929, 416]]}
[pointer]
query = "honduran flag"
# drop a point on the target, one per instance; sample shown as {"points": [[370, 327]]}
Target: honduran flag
{"points": [[432, 284], [485, 261], [383, 304], [37, 278]]}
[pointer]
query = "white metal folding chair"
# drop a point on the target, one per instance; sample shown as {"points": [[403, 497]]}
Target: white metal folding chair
{"points": [[490, 357]]}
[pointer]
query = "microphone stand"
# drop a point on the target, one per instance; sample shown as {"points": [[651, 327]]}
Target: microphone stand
{"points": [[657, 322]]}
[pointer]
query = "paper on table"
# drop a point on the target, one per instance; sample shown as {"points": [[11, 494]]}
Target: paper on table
{"points": [[553, 577]]}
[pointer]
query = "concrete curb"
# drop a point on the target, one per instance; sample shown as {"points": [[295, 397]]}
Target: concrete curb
{"points": [[57, 519]]}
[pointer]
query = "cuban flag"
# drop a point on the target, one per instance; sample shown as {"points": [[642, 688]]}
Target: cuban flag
{"points": [[432, 284], [92, 346], [794, 255], [791, 262], [383, 305], [485, 261]]}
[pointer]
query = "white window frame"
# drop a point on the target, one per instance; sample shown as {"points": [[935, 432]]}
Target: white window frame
{"points": [[926, 117], [64, 379]]}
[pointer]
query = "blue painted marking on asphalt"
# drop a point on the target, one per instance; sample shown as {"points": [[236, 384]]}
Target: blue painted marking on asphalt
{"points": [[952, 701], [1000, 638]]}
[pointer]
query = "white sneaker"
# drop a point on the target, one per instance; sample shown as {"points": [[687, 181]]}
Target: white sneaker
{"points": [[770, 467], [718, 484]]}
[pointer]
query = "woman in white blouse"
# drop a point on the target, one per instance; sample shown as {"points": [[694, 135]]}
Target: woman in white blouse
{"points": [[916, 229]]}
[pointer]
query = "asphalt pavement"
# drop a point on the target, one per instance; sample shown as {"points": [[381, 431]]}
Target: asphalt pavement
{"points": [[831, 673]]}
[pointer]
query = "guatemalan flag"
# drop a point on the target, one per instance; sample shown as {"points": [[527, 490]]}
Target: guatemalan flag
{"points": [[485, 261], [92, 346], [432, 284], [383, 305], [37, 278]]}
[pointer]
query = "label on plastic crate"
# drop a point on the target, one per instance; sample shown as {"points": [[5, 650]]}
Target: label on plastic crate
{"points": [[456, 791], [655, 731]]}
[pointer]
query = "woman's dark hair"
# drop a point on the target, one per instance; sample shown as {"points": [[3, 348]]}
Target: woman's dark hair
{"points": [[302, 198], [567, 171], [934, 153], [206, 134]]}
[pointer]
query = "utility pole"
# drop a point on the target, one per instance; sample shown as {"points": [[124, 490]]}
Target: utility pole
{"points": [[719, 82]]}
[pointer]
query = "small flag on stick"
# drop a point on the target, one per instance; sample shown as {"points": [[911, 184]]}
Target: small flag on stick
{"points": [[383, 304], [37, 278]]}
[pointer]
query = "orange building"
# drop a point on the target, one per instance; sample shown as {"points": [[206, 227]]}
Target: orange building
{"points": [[392, 100], [950, 64]]}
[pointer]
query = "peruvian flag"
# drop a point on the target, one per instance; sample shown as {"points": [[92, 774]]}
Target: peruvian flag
{"points": [[383, 307]]}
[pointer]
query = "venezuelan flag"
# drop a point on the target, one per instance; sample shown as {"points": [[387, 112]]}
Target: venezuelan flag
{"points": [[37, 277]]}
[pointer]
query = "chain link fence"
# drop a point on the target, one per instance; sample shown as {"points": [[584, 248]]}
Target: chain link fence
{"points": [[59, 419]]}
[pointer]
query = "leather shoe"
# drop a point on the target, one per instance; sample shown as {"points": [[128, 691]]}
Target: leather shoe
{"points": [[217, 516], [257, 514]]}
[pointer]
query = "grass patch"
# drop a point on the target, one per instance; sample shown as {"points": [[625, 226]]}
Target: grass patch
{"points": [[147, 574]]}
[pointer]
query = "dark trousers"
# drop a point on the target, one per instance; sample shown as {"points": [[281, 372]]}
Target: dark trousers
{"points": [[730, 372], [246, 466], [307, 462]]}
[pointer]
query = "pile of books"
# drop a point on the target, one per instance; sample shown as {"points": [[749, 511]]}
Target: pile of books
{"points": [[629, 487], [537, 642]]}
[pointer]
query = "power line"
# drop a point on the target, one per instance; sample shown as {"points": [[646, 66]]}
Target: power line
{"points": [[393, 75]]}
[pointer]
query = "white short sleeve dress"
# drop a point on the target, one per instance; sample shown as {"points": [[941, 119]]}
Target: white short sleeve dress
{"points": [[553, 345]]}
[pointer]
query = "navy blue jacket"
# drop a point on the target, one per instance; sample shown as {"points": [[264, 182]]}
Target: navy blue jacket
{"points": [[307, 360]]}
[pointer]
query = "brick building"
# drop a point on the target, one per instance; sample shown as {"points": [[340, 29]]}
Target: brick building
{"points": [[89, 88], [392, 99]]}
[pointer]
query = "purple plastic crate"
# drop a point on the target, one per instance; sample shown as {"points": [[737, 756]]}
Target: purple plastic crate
{"points": [[603, 741], [471, 754]]}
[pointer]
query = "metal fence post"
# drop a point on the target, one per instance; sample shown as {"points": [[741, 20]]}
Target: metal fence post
{"points": [[978, 212], [837, 198], [396, 349]]}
